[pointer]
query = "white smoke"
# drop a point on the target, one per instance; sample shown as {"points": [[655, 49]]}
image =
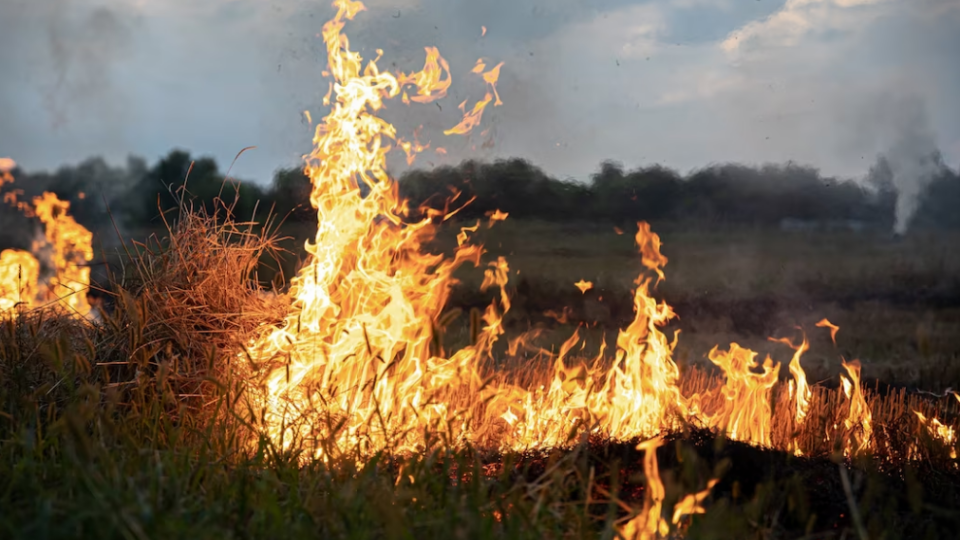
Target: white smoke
{"points": [[913, 158]]}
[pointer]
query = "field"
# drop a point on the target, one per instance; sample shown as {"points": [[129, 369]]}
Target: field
{"points": [[134, 429]]}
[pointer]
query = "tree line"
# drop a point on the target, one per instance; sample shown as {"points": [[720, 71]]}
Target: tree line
{"points": [[725, 194]]}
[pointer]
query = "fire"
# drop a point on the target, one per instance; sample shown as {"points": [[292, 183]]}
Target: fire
{"points": [[584, 286], [745, 413], [497, 215], [71, 249], [649, 523], [940, 432], [472, 118], [360, 340], [358, 366], [798, 387], [66, 248], [824, 323], [429, 81], [7, 166], [858, 425], [19, 273]]}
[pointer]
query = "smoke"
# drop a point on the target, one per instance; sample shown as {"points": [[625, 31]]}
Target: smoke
{"points": [[913, 157], [60, 61], [81, 48]]}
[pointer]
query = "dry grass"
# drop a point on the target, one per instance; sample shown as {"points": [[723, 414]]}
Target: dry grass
{"points": [[127, 427]]}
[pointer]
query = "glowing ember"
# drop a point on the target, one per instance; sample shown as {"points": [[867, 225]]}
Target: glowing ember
{"points": [[584, 286]]}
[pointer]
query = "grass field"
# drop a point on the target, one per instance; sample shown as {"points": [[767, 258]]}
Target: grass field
{"points": [[133, 428]]}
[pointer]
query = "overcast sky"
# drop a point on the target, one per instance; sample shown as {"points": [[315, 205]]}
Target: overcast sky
{"points": [[685, 83]]}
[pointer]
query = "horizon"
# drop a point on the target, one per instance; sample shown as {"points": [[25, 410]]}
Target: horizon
{"points": [[224, 168]]}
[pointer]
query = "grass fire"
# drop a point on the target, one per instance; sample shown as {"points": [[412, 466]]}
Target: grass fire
{"points": [[406, 381]]}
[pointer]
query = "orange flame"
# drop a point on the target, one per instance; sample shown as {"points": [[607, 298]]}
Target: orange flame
{"points": [[356, 366], [945, 434], [798, 389], [359, 338], [72, 249], [19, 273], [7, 166], [430, 83], [497, 215], [66, 248], [833, 329], [649, 524], [649, 243], [584, 286], [470, 119], [859, 422], [745, 413]]}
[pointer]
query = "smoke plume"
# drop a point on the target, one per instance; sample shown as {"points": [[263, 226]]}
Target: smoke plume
{"points": [[913, 158]]}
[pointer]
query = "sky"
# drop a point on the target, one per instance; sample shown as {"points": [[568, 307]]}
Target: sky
{"points": [[682, 83]]}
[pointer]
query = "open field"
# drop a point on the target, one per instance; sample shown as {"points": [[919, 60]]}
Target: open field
{"points": [[136, 427]]}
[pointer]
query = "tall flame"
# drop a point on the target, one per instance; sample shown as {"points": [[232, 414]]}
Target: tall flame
{"points": [[858, 425], [355, 361], [357, 365]]}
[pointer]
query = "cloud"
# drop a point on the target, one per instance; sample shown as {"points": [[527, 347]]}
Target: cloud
{"points": [[799, 19], [690, 4], [812, 82], [681, 82]]}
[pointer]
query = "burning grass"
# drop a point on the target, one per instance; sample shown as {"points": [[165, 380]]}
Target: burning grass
{"points": [[134, 425], [195, 403]]}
